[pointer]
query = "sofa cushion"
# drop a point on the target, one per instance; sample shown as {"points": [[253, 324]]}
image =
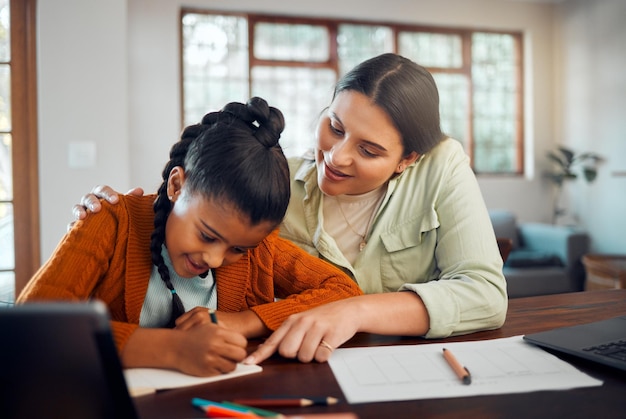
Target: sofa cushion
{"points": [[532, 258], [505, 225]]}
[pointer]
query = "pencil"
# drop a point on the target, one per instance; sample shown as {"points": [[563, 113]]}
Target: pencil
{"points": [[318, 401], [213, 316], [283, 402], [461, 371]]}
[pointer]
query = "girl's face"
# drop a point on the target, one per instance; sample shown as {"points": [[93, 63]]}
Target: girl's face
{"points": [[358, 147], [201, 234]]}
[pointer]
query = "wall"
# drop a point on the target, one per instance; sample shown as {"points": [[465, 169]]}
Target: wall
{"points": [[82, 98], [109, 73], [592, 110]]}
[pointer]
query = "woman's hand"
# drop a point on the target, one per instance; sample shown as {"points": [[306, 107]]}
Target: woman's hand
{"points": [[316, 333], [91, 201], [312, 334]]}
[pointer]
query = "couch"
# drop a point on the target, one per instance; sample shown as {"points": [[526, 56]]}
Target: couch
{"points": [[545, 258]]}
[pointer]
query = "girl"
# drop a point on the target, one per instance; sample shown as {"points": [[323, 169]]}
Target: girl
{"points": [[205, 241]]}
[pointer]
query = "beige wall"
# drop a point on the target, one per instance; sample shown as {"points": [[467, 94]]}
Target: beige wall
{"points": [[591, 111], [109, 74]]}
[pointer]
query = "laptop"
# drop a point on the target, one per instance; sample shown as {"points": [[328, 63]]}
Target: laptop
{"points": [[602, 341], [59, 360]]}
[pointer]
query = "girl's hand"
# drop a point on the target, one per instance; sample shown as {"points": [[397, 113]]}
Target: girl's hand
{"points": [[209, 349], [312, 334], [245, 322], [202, 350]]}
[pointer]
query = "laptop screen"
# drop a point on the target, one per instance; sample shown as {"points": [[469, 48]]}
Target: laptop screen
{"points": [[59, 360]]}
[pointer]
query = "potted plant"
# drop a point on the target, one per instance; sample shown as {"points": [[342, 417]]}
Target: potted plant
{"points": [[566, 163]]}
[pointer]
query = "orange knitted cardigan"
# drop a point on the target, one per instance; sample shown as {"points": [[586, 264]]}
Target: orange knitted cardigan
{"points": [[107, 257]]}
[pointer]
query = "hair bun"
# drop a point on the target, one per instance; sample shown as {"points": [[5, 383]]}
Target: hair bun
{"points": [[269, 121]]}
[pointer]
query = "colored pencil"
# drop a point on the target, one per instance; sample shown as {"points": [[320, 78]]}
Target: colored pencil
{"points": [[255, 410], [213, 411], [292, 401]]}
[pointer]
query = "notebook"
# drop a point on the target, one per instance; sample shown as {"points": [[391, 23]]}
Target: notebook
{"points": [[59, 360], [602, 341]]}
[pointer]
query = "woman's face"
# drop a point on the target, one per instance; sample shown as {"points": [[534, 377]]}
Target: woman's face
{"points": [[358, 147], [201, 234]]}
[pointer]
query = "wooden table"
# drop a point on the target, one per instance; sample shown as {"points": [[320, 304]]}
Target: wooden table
{"points": [[525, 315]]}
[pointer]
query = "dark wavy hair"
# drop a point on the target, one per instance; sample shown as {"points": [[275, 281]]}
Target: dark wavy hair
{"points": [[234, 156], [406, 91]]}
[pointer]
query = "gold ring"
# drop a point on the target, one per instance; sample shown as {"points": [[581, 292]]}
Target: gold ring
{"points": [[326, 345]]}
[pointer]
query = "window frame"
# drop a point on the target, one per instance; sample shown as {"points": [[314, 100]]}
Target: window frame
{"points": [[24, 141], [332, 63]]}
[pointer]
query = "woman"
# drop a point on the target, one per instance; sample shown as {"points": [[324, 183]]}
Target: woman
{"points": [[393, 202]]}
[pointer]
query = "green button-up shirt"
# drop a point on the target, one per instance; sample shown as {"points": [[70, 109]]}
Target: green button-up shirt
{"points": [[431, 235]]}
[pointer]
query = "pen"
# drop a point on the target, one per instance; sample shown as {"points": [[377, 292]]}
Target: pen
{"points": [[286, 401], [461, 371], [274, 402], [213, 316]]}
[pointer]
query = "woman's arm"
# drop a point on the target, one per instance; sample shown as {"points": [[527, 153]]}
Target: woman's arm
{"points": [[300, 336]]}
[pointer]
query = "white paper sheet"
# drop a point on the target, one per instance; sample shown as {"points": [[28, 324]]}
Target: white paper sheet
{"points": [[144, 380], [411, 372]]}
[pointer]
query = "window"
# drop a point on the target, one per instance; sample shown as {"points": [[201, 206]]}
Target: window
{"points": [[294, 63], [19, 218]]}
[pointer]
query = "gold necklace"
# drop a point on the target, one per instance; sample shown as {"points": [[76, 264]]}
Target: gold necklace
{"points": [[363, 242]]}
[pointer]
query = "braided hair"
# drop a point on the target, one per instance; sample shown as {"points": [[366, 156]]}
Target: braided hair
{"points": [[232, 155]]}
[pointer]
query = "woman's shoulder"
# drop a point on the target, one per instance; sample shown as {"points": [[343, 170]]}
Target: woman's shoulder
{"points": [[299, 166], [446, 149]]}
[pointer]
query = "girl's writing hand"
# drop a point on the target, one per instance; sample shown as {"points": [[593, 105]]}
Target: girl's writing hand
{"points": [[208, 349]]}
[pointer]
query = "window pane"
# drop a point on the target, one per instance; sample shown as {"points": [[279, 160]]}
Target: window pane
{"points": [[7, 256], [356, 43], [432, 49], [495, 109], [6, 168], [215, 63], [5, 97], [5, 31], [7, 289], [454, 105], [301, 94], [281, 41]]}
